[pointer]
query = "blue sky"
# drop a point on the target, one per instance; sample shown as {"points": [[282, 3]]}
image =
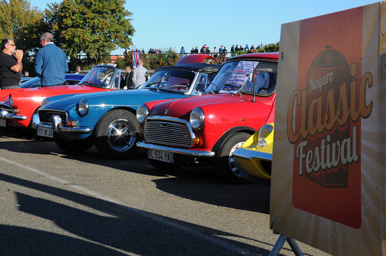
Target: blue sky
{"points": [[175, 23]]}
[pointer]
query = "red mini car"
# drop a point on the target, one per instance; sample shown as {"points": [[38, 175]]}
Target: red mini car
{"points": [[19, 106], [207, 129]]}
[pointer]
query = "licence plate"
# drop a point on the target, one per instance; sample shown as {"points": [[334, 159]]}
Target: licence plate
{"points": [[3, 123], [45, 132], [160, 155]]}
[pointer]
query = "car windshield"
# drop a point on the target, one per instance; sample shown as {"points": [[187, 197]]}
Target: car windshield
{"points": [[243, 76], [99, 77], [173, 80]]}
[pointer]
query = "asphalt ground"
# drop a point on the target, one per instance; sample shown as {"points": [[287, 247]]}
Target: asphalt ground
{"points": [[53, 203]]}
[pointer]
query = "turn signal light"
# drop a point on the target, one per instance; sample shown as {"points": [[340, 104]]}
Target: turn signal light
{"points": [[196, 140], [73, 123]]}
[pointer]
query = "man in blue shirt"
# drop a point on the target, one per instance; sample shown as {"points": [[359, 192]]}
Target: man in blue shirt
{"points": [[51, 62]]}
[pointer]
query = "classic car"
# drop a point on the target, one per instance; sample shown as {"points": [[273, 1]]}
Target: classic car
{"points": [[107, 119], [208, 129], [19, 107], [255, 155]]}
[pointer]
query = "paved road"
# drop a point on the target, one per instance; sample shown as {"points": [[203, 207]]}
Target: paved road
{"points": [[53, 203]]}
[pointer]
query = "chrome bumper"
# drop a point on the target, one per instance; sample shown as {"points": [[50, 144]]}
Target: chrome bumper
{"points": [[57, 126], [252, 154], [181, 151], [5, 114]]}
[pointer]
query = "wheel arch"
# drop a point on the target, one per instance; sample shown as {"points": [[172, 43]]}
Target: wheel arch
{"points": [[132, 110], [228, 133]]}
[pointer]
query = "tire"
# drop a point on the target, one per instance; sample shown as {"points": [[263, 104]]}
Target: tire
{"points": [[168, 167], [73, 146], [116, 134], [226, 166]]}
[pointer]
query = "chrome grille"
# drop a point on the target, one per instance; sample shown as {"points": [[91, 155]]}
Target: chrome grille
{"points": [[169, 132], [45, 116]]}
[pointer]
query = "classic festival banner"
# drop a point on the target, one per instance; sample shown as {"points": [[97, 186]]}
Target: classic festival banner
{"points": [[328, 170]]}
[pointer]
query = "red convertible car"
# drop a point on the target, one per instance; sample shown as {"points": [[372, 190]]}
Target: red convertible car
{"points": [[207, 129], [19, 107]]}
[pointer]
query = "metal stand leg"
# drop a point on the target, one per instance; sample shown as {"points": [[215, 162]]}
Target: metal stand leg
{"points": [[280, 242]]}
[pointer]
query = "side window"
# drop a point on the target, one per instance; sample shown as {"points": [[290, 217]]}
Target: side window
{"points": [[201, 84]]}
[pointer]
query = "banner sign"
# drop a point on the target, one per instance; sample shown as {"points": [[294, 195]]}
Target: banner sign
{"points": [[329, 143], [136, 56]]}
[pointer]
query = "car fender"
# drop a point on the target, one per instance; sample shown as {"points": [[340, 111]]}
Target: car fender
{"points": [[228, 133]]}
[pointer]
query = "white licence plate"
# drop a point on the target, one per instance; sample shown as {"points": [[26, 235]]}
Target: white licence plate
{"points": [[3, 123], [45, 132], [160, 155]]}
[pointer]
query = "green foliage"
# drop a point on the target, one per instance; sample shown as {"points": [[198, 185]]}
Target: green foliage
{"points": [[269, 48], [19, 21], [90, 27]]}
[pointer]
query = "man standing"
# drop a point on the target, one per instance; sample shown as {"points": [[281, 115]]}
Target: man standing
{"points": [[51, 62], [10, 64], [139, 74], [129, 78]]}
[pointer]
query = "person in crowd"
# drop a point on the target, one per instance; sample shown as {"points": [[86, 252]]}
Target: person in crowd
{"points": [[128, 78], [182, 51], [203, 49], [196, 50], [139, 74], [246, 48], [192, 51], [207, 50], [237, 48], [10, 64], [224, 54], [215, 52], [233, 50], [77, 70], [51, 62], [252, 47]]}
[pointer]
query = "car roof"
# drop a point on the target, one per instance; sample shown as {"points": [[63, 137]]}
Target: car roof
{"points": [[273, 56], [198, 67], [195, 58]]}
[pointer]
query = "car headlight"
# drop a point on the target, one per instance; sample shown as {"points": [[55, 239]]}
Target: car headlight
{"points": [[197, 118], [142, 113], [45, 101], [83, 107], [264, 132]]}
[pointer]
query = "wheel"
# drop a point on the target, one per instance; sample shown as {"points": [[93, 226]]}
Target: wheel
{"points": [[226, 165], [164, 166], [74, 145], [116, 134]]}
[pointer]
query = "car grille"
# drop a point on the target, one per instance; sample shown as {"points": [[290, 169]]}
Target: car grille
{"points": [[45, 116], [169, 132]]}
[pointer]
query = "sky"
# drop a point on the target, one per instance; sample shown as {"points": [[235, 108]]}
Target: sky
{"points": [[175, 23]]}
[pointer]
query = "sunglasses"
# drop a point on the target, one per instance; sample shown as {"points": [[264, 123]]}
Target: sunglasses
{"points": [[12, 44]]}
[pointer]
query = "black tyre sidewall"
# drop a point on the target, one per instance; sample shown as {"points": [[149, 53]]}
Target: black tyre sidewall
{"points": [[222, 158]]}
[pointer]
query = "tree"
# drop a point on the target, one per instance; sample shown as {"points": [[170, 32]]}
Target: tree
{"points": [[90, 27], [19, 21]]}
